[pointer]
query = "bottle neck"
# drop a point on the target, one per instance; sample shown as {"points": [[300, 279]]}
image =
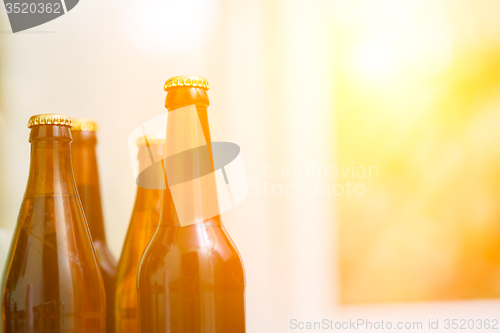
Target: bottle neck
{"points": [[193, 165], [147, 199], [50, 173], [151, 176], [149, 193], [87, 181]]}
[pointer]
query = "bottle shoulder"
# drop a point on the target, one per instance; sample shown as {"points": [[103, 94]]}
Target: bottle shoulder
{"points": [[53, 263], [51, 230], [204, 253], [142, 226], [106, 260]]}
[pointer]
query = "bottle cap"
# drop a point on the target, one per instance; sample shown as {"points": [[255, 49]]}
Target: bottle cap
{"points": [[84, 124], [153, 139], [186, 81], [50, 119]]}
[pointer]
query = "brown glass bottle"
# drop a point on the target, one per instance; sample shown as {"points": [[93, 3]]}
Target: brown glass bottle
{"points": [[143, 224], [191, 279], [52, 282], [87, 183]]}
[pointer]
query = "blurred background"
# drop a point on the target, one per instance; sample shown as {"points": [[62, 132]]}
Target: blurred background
{"points": [[409, 88]]}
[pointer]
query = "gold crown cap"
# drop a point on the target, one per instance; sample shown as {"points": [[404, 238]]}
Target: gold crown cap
{"points": [[153, 139], [186, 81], [50, 119], [84, 124]]}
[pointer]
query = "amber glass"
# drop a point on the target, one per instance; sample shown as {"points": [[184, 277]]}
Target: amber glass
{"points": [[52, 282], [87, 183], [143, 224], [191, 279]]}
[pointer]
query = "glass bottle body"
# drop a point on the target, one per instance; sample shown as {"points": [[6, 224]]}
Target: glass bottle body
{"points": [[191, 278], [52, 282], [87, 182], [143, 224]]}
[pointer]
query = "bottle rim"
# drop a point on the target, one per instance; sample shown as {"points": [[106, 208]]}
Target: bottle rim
{"points": [[153, 139], [186, 81], [84, 125], [50, 119]]}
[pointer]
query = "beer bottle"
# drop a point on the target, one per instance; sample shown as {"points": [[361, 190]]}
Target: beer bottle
{"points": [[52, 282], [143, 224], [191, 278], [87, 183]]}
